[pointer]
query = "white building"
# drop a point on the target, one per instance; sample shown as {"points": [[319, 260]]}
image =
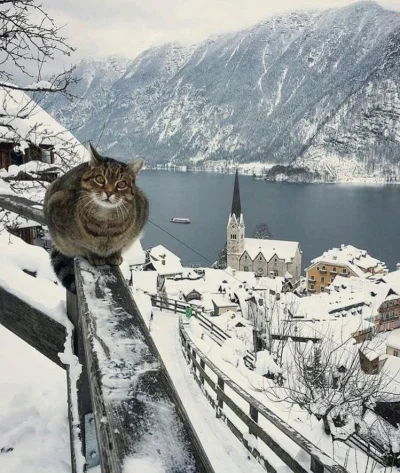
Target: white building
{"points": [[263, 257]]}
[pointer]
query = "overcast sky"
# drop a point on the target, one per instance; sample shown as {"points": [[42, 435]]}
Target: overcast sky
{"points": [[127, 27]]}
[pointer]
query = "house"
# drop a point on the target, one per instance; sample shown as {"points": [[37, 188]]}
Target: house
{"points": [[11, 153], [28, 230], [345, 261], [222, 304], [388, 317], [393, 343], [269, 258], [192, 295], [164, 262]]}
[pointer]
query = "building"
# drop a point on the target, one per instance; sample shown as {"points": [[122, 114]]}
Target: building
{"points": [[269, 258], [344, 261], [393, 344], [10, 153]]}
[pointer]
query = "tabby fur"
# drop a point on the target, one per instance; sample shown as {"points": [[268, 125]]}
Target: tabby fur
{"points": [[95, 210]]}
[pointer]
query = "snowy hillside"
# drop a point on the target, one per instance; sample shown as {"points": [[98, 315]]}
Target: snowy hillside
{"points": [[317, 89]]}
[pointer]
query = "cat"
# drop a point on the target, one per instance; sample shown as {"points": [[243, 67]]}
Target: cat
{"points": [[95, 210]]}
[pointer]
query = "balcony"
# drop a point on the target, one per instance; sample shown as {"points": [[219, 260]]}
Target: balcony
{"points": [[323, 271]]}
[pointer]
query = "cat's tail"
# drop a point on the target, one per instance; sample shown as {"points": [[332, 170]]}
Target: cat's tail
{"points": [[64, 268]]}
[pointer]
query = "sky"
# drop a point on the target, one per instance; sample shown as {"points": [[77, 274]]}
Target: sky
{"points": [[99, 28]]}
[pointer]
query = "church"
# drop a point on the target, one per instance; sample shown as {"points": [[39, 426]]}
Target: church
{"points": [[263, 257]]}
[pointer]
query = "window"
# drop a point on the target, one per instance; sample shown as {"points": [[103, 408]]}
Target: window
{"points": [[260, 258], [323, 268], [322, 288], [322, 279], [344, 270], [395, 353], [275, 272], [334, 270], [246, 268], [311, 286], [312, 278], [317, 268], [245, 256]]}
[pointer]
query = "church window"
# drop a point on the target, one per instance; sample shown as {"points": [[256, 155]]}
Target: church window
{"points": [[233, 236], [245, 256], [275, 272], [260, 258], [246, 268]]}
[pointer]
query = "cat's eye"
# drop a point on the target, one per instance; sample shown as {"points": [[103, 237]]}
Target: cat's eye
{"points": [[121, 185], [100, 180]]}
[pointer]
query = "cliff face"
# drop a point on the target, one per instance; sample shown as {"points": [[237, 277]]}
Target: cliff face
{"points": [[317, 90]]}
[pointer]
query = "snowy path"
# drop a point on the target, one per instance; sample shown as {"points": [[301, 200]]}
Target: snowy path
{"points": [[226, 453]]}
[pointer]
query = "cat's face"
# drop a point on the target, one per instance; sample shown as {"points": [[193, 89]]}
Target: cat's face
{"points": [[110, 183]]}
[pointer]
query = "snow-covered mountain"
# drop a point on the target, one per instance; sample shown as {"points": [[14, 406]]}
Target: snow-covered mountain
{"points": [[319, 90]]}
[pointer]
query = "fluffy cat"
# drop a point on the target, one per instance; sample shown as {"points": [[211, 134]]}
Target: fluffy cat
{"points": [[95, 210]]}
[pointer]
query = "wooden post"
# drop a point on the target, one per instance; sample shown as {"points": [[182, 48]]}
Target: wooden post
{"points": [[220, 404], [82, 385]]}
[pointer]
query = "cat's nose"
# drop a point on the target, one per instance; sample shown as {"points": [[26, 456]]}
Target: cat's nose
{"points": [[108, 193]]}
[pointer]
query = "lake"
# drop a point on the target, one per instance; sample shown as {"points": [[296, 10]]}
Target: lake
{"points": [[316, 215]]}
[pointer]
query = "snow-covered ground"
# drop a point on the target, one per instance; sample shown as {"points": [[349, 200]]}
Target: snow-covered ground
{"points": [[33, 410]]}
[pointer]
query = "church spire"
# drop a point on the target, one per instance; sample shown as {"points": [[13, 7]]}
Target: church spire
{"points": [[236, 207]]}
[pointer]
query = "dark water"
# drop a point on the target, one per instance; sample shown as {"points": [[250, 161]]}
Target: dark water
{"points": [[318, 216]]}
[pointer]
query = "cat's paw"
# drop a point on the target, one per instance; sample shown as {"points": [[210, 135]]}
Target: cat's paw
{"points": [[96, 260], [115, 260]]}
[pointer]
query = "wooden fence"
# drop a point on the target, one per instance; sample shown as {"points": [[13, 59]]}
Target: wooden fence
{"points": [[369, 446], [213, 331], [123, 406], [269, 439]]}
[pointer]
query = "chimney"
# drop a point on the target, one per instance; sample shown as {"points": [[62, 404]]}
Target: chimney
{"points": [[398, 266]]}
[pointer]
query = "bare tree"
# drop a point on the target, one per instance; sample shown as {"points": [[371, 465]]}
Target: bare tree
{"points": [[326, 379], [29, 39]]}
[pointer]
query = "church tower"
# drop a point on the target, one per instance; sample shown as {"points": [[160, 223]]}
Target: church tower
{"points": [[235, 229]]}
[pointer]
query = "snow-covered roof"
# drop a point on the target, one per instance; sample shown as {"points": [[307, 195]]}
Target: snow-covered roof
{"points": [[221, 301], [164, 261], [359, 261], [37, 126], [285, 250], [134, 254], [393, 340]]}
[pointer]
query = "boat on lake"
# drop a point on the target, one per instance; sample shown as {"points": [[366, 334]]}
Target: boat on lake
{"points": [[180, 220]]}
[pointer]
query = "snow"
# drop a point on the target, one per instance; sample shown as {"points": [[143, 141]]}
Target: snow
{"points": [[33, 410], [285, 250], [41, 291], [393, 340], [164, 261], [358, 260], [224, 451]]}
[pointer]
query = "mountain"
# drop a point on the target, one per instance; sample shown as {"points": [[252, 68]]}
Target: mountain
{"points": [[315, 90]]}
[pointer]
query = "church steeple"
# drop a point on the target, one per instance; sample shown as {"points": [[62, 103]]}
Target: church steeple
{"points": [[235, 229], [236, 207]]}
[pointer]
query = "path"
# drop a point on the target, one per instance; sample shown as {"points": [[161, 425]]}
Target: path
{"points": [[226, 453]]}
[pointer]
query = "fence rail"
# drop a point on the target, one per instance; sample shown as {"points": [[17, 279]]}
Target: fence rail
{"points": [[215, 332]]}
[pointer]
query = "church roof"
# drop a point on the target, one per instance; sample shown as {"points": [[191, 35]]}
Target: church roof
{"points": [[236, 207], [283, 249]]}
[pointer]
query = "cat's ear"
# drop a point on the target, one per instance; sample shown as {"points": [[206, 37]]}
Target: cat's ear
{"points": [[136, 166], [96, 159]]}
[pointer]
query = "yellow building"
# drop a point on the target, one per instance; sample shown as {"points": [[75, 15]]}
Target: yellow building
{"points": [[345, 261]]}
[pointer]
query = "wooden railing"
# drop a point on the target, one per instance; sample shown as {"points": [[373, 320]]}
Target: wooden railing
{"points": [[123, 406], [249, 424], [213, 331]]}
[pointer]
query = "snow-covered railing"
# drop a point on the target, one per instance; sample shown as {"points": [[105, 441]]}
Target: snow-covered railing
{"points": [[269, 439], [215, 332], [124, 412]]}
